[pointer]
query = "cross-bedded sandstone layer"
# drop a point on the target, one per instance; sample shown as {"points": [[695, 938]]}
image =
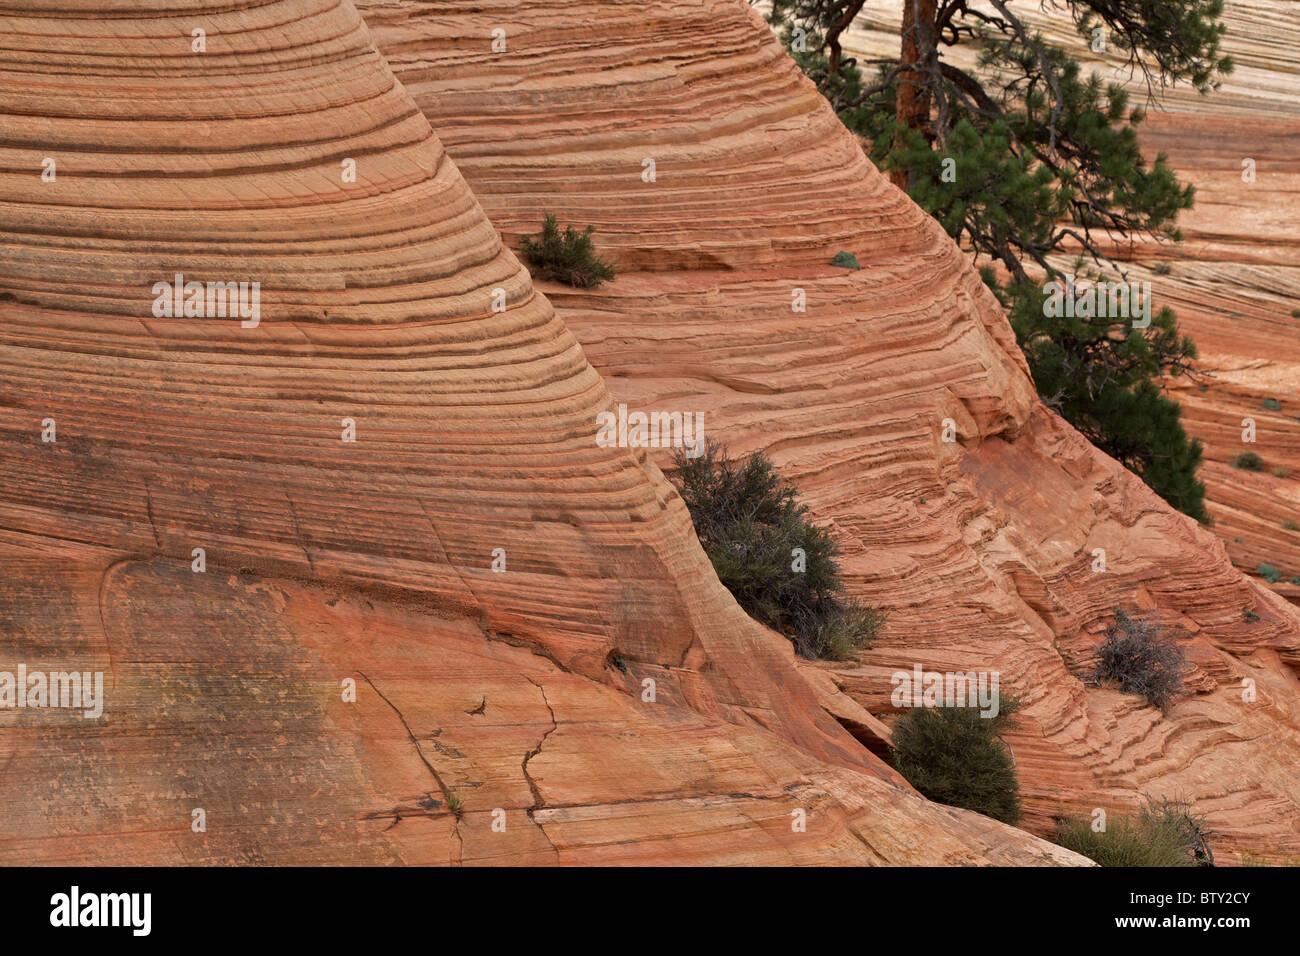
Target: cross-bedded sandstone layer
{"points": [[133, 433], [1235, 280], [982, 549]]}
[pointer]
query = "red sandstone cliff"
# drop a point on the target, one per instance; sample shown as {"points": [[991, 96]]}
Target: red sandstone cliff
{"points": [[370, 561], [982, 549]]}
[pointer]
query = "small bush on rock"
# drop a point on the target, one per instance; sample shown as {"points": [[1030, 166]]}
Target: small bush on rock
{"points": [[1142, 659], [1161, 833], [779, 566], [953, 755], [566, 256], [1247, 461]]}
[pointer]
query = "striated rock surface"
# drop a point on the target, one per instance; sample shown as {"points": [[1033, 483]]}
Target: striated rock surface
{"points": [[1234, 281], [983, 548], [181, 508]]}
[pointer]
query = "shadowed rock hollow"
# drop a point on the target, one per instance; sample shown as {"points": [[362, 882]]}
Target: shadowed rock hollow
{"points": [[330, 561], [982, 549]]}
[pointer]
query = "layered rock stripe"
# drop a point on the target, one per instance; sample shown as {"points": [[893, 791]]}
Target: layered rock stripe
{"points": [[981, 549], [481, 697]]}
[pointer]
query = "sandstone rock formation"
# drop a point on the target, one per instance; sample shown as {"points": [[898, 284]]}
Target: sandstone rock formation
{"points": [[1234, 282], [181, 509], [982, 549]]}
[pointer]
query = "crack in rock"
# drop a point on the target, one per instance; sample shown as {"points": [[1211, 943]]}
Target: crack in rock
{"points": [[446, 793], [538, 802]]}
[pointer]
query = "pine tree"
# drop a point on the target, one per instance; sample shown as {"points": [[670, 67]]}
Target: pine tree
{"points": [[1024, 158], [1101, 376]]}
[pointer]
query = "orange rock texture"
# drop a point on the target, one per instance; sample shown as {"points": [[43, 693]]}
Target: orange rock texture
{"points": [[363, 586], [1234, 282], [986, 549]]}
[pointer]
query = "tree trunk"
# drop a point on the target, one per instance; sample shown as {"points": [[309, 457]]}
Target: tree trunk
{"points": [[838, 28], [913, 109]]}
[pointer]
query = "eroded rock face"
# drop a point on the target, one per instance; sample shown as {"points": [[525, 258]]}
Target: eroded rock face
{"points": [[1233, 282], [982, 549], [182, 509]]}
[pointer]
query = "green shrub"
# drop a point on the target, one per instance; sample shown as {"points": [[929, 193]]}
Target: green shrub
{"points": [[1130, 417], [1247, 461], [1290, 524], [845, 260], [1269, 573], [1295, 579], [1250, 615], [1280, 472], [567, 256], [1271, 404], [952, 755], [1142, 659], [1162, 268], [1295, 313], [751, 524], [1161, 833]]}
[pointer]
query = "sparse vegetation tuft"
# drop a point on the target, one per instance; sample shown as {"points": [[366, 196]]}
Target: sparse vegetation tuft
{"points": [[566, 255], [780, 567], [953, 755], [1161, 833], [1247, 461], [1142, 658], [1269, 573]]}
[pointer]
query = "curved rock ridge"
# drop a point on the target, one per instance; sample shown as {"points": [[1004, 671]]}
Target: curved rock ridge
{"points": [[362, 583], [982, 549]]}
